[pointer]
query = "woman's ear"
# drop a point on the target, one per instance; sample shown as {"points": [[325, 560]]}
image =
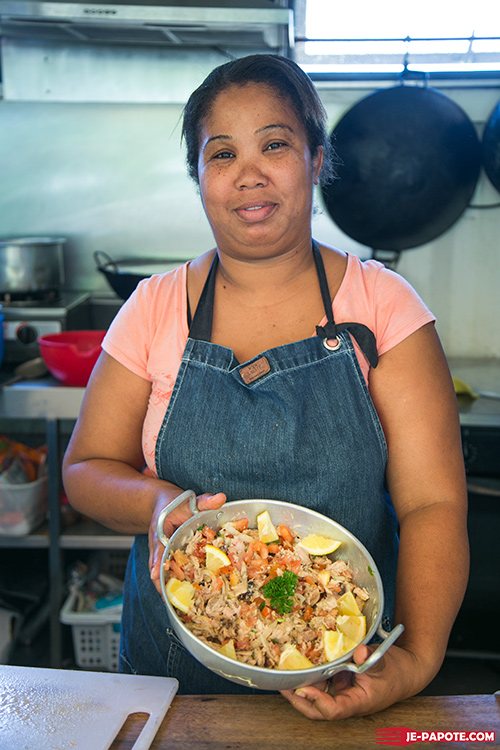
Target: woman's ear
{"points": [[317, 164]]}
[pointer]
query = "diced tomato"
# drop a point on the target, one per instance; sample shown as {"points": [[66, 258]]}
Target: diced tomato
{"points": [[243, 645], [285, 533], [245, 609], [266, 611], [235, 559], [178, 572], [273, 548], [241, 524], [217, 583], [310, 580], [256, 567], [225, 570], [247, 556], [308, 612], [200, 552], [261, 549], [275, 649], [291, 563], [208, 533]]}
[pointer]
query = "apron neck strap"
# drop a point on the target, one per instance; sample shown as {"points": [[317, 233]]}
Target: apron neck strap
{"points": [[329, 332], [201, 325]]}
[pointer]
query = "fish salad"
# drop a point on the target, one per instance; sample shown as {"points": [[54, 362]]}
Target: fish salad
{"points": [[265, 597]]}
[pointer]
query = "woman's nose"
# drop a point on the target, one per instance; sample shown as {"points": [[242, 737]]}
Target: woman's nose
{"points": [[251, 175]]}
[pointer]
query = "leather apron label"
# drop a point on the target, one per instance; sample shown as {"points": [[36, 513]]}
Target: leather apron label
{"points": [[255, 370]]}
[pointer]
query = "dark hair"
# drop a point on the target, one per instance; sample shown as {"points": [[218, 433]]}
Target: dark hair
{"points": [[281, 74]]}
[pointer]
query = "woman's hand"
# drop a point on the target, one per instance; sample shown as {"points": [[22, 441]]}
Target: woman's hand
{"points": [[172, 522], [396, 676]]}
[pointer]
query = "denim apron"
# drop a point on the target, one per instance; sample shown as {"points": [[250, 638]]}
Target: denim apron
{"points": [[295, 423]]}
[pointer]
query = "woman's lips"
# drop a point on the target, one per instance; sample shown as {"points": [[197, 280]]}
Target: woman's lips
{"points": [[254, 212]]}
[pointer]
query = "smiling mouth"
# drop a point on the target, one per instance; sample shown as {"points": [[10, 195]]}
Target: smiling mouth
{"points": [[257, 212]]}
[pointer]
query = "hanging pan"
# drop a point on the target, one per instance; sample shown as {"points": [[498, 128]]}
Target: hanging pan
{"points": [[490, 146], [410, 160]]}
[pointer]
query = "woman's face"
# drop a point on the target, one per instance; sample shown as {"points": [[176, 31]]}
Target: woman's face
{"points": [[256, 173]]}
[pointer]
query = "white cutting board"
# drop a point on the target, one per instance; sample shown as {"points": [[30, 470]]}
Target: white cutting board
{"points": [[55, 709]]}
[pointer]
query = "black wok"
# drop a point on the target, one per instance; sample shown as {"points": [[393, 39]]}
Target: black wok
{"points": [[124, 275], [491, 147], [410, 160]]}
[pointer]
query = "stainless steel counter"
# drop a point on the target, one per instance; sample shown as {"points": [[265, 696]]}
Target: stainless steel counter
{"points": [[44, 398], [481, 375]]}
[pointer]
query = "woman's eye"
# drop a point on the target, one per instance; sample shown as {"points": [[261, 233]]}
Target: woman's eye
{"points": [[223, 155], [275, 145]]}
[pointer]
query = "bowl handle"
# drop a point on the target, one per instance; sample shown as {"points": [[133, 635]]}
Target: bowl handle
{"points": [[388, 640], [187, 495]]}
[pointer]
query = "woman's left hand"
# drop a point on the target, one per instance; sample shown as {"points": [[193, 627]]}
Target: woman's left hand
{"points": [[396, 676]]}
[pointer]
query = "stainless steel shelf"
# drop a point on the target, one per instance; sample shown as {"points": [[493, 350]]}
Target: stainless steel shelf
{"points": [[87, 534], [39, 539]]}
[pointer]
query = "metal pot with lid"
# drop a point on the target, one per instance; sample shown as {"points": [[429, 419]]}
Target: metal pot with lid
{"points": [[31, 264]]}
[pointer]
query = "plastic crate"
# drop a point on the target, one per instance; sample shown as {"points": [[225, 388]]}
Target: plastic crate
{"points": [[23, 507], [96, 636]]}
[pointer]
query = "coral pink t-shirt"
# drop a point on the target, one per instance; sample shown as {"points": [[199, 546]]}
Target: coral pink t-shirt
{"points": [[149, 334]]}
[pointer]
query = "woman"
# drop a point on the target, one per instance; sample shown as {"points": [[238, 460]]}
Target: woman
{"points": [[357, 420]]}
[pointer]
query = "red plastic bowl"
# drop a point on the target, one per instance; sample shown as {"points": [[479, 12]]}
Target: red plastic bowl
{"points": [[70, 356]]}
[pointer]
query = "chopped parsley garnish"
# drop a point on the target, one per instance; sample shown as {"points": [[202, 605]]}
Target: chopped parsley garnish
{"points": [[280, 591]]}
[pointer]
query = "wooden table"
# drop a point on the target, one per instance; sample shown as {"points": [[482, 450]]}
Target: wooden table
{"points": [[226, 722]]}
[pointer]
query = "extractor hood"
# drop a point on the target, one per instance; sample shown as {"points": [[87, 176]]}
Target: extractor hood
{"points": [[263, 23]]}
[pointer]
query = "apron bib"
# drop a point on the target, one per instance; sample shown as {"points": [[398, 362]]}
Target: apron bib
{"points": [[296, 424]]}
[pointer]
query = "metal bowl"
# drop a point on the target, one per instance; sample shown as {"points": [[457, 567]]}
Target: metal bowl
{"points": [[301, 522]]}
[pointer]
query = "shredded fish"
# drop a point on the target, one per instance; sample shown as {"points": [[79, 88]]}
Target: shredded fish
{"points": [[231, 604]]}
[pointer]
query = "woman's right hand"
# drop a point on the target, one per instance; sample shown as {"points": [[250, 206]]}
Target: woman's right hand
{"points": [[175, 519]]}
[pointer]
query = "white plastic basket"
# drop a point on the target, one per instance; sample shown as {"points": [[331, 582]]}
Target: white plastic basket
{"points": [[96, 636]]}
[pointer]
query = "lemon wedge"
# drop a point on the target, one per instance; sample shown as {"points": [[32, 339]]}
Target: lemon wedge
{"points": [[316, 544], [180, 594], [463, 389], [267, 531], [291, 658], [348, 605], [215, 558], [352, 626], [228, 649], [336, 644]]}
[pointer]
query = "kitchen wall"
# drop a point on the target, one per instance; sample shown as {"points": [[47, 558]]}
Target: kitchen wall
{"points": [[111, 177]]}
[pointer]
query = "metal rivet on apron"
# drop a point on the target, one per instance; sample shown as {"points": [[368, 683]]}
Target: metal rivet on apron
{"points": [[255, 370], [332, 344]]}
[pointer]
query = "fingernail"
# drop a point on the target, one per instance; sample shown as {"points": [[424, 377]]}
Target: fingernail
{"points": [[301, 693]]}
